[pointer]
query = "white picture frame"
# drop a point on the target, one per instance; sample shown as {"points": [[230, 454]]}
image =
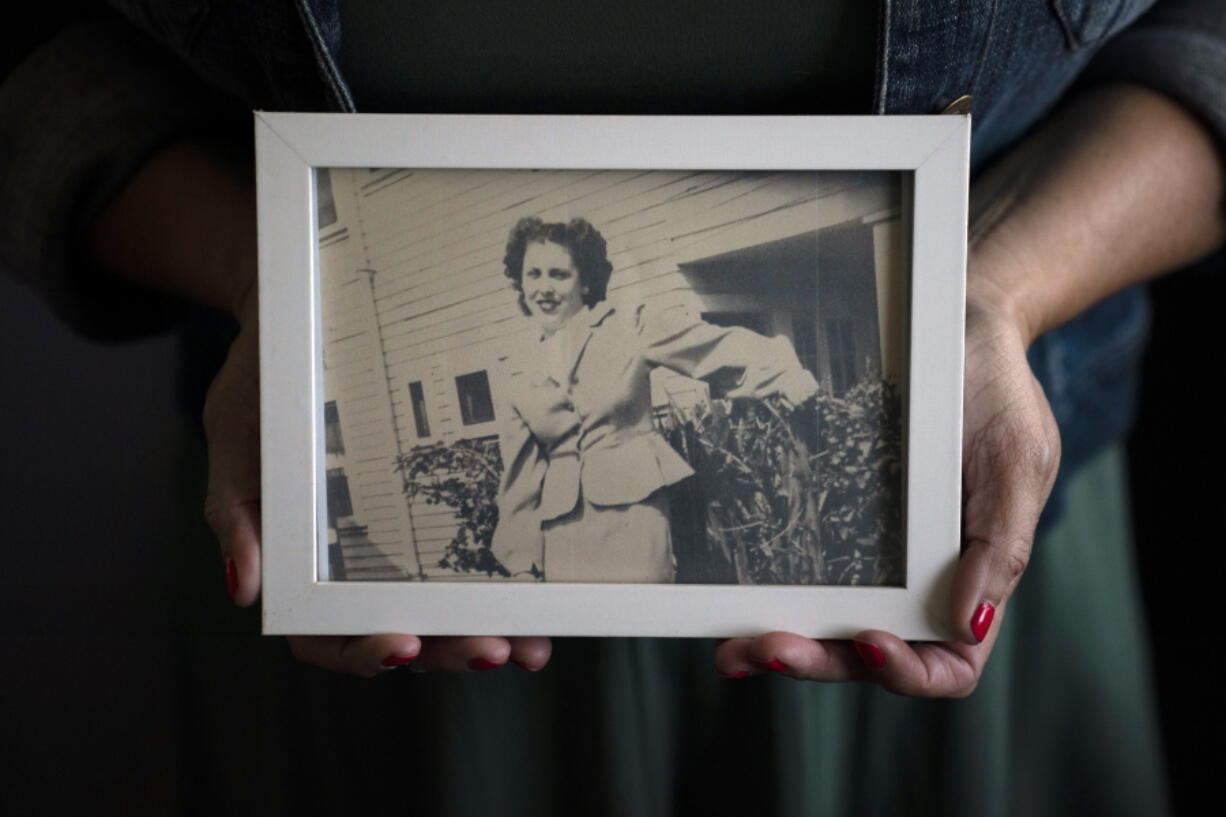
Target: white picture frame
{"points": [[934, 150]]}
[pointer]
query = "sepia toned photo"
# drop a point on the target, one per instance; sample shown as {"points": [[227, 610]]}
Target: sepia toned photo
{"points": [[613, 376]]}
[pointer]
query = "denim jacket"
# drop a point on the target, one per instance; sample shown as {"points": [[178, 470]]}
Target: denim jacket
{"points": [[85, 108]]}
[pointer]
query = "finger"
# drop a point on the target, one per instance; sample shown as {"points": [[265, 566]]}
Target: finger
{"points": [[531, 653], [364, 656], [792, 655], [732, 658], [232, 509], [729, 658], [1010, 468], [927, 669], [232, 504], [463, 653]]}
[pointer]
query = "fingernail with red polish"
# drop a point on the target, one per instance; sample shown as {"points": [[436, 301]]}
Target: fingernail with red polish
{"points": [[981, 622], [481, 665], [774, 665], [734, 675], [393, 661], [871, 654], [231, 577]]}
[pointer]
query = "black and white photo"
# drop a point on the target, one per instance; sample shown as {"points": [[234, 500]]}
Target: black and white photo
{"points": [[613, 376]]}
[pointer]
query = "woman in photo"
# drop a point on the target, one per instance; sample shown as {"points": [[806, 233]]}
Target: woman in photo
{"points": [[584, 469]]}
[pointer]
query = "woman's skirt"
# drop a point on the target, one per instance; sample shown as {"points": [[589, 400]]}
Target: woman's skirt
{"points": [[611, 543], [1063, 721]]}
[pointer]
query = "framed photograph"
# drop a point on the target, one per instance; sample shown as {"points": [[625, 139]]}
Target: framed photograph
{"points": [[634, 376]]}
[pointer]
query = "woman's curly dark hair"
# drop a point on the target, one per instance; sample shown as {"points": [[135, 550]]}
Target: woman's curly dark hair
{"points": [[587, 249]]}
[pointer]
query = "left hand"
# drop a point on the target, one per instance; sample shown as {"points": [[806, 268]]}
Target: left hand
{"points": [[1010, 453]]}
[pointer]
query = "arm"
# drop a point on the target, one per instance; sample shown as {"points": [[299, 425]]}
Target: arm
{"points": [[115, 195], [763, 366], [1129, 182], [1121, 185], [81, 113], [185, 223], [1129, 186]]}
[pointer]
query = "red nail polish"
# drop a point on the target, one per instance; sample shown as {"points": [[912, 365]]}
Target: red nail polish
{"points": [[398, 660], [774, 665], [231, 577], [734, 675], [982, 621], [871, 654], [481, 665]]}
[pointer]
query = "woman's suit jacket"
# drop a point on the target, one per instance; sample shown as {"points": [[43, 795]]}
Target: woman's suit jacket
{"points": [[582, 427]]}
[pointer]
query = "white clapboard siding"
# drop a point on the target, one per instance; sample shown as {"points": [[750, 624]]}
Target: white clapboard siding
{"points": [[354, 379], [414, 291]]}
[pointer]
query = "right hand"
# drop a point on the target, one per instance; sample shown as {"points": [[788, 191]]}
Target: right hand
{"points": [[232, 508], [796, 388]]}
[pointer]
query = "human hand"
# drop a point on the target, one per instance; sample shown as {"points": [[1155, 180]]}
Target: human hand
{"points": [[796, 388], [1010, 455], [1120, 184], [185, 223], [232, 508], [793, 386]]}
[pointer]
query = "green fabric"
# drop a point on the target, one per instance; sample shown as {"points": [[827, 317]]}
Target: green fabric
{"points": [[1062, 722]]}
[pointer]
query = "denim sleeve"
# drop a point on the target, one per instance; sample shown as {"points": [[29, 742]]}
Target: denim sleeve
{"points": [[1179, 49], [81, 114]]}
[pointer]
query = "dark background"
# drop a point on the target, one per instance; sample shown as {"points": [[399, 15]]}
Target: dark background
{"points": [[1176, 458]]}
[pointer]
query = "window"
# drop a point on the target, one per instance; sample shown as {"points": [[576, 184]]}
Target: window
{"points": [[476, 405], [333, 442], [841, 343], [417, 398], [339, 502], [804, 340]]}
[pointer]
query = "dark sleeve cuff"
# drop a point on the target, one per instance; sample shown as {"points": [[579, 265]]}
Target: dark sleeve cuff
{"points": [[1179, 50], [81, 115]]}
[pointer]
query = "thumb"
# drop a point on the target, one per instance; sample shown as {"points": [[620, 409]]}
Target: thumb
{"points": [[232, 502], [1009, 467]]}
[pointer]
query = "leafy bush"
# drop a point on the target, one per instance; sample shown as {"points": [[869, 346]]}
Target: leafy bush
{"points": [[462, 475], [859, 466], [812, 496], [751, 468], [805, 497]]}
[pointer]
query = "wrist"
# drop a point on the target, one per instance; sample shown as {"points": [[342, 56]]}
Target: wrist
{"points": [[1003, 270], [1002, 295]]}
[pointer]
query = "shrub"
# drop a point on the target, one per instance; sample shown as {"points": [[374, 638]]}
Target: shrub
{"points": [[859, 465], [805, 497], [753, 482], [462, 475], [812, 496]]}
